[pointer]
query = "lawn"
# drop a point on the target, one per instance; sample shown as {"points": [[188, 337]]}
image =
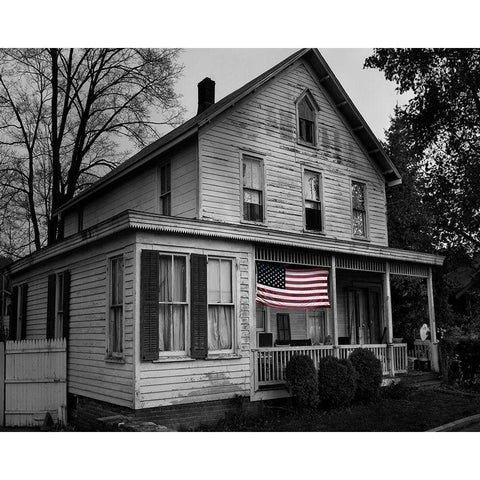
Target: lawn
{"points": [[417, 410]]}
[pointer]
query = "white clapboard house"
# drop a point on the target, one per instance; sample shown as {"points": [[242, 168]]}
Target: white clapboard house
{"points": [[281, 184]]}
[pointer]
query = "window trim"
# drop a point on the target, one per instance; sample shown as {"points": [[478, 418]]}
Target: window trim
{"points": [[367, 226], [228, 351], [110, 355], [316, 109], [164, 355], [322, 202], [261, 160]]}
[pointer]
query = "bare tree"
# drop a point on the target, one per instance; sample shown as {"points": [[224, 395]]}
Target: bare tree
{"points": [[64, 114]]}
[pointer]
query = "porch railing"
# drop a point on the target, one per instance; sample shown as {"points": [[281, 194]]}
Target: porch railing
{"points": [[270, 363]]}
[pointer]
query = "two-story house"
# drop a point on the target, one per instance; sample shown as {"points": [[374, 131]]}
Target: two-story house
{"points": [[159, 283]]}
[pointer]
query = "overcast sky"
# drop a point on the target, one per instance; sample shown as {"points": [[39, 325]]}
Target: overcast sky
{"points": [[231, 68]]}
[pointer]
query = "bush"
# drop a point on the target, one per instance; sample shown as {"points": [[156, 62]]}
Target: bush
{"points": [[302, 380], [462, 359], [369, 374], [336, 382]]}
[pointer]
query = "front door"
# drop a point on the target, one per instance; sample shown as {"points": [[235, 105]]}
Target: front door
{"points": [[364, 316]]}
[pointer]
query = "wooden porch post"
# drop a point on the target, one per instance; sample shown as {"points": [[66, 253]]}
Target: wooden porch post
{"points": [[333, 291], [388, 316], [431, 317]]}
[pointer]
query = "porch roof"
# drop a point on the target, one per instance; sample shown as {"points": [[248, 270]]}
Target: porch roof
{"points": [[133, 220]]}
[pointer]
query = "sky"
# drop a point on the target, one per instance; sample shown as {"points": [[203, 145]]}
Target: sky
{"points": [[230, 68]]}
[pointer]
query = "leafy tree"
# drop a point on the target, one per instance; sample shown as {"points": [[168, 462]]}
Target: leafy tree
{"points": [[63, 115], [443, 118]]}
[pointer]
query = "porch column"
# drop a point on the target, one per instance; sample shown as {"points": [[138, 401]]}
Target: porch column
{"points": [[388, 316], [333, 291], [431, 317]]}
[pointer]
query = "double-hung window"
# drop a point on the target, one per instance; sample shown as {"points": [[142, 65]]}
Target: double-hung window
{"points": [[165, 189], [59, 309], [312, 200], [252, 168], [173, 302], [115, 314], [220, 304], [359, 210]]}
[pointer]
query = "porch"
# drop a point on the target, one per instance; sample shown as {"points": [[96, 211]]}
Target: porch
{"points": [[359, 315], [270, 363]]}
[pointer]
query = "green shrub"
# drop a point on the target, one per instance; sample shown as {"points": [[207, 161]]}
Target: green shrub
{"points": [[302, 380], [336, 382], [461, 359], [369, 374]]}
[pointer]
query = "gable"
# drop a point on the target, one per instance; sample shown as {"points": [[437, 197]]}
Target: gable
{"points": [[265, 124]]}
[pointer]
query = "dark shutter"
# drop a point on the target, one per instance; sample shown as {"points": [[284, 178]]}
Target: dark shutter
{"points": [[66, 302], [198, 307], [51, 305], [149, 289], [23, 327], [13, 319]]}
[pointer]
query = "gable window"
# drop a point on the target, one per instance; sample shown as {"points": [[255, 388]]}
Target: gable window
{"points": [[252, 189], [359, 210], [172, 302], [115, 314], [306, 114], [165, 189], [220, 304], [312, 200]]}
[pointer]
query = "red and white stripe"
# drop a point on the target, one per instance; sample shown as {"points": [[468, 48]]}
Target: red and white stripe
{"points": [[304, 289]]}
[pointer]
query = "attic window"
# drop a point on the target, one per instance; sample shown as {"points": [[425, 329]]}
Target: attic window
{"points": [[306, 114]]}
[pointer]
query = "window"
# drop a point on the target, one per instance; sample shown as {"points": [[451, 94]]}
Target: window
{"points": [[312, 199], [21, 312], [172, 303], [220, 304], [252, 189], [115, 315], [165, 190], [306, 113], [283, 327], [59, 298], [359, 211], [317, 323]]}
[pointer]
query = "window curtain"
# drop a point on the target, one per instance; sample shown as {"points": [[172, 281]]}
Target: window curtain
{"points": [[172, 328], [220, 327]]}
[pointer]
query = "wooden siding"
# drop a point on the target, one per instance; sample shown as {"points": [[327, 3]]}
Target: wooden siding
{"points": [[89, 373], [188, 381], [141, 192], [264, 124]]}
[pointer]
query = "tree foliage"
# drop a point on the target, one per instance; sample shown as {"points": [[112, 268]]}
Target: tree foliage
{"points": [[443, 119], [64, 114]]}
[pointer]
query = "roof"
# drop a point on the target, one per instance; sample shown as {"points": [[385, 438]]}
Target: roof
{"points": [[329, 82]]}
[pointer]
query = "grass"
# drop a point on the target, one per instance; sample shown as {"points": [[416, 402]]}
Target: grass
{"points": [[413, 411]]}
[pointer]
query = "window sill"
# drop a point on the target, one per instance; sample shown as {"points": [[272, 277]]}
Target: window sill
{"points": [[173, 359], [316, 232], [120, 360], [251, 222], [308, 145], [223, 356], [362, 239]]}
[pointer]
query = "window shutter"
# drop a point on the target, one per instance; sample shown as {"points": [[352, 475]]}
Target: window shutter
{"points": [[23, 332], [198, 308], [66, 302], [13, 319], [51, 306], [149, 288]]}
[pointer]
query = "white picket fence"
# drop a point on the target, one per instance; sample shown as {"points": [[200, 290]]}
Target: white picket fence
{"points": [[34, 380]]}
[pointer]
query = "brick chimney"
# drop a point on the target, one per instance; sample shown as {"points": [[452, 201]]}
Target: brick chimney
{"points": [[206, 94]]}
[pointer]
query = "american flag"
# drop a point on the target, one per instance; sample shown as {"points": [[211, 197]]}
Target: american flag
{"points": [[281, 287]]}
